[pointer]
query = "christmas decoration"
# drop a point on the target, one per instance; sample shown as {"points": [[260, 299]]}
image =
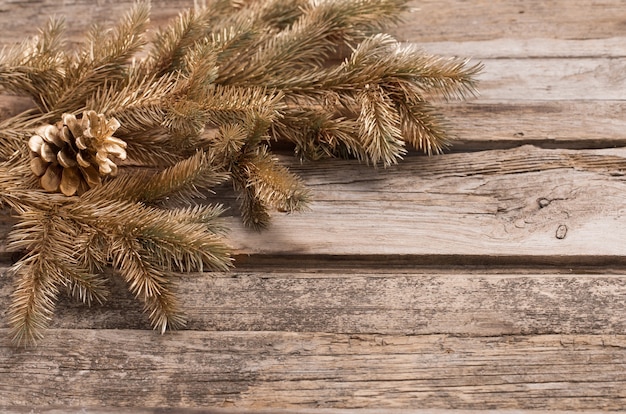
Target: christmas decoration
{"points": [[128, 136]]}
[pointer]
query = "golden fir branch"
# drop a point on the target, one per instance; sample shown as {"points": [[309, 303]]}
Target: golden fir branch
{"points": [[198, 103]]}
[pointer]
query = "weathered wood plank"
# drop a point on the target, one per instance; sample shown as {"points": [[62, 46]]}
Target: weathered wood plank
{"points": [[308, 370], [460, 20], [374, 301], [505, 124], [524, 202], [553, 79], [179, 410], [503, 48], [431, 20]]}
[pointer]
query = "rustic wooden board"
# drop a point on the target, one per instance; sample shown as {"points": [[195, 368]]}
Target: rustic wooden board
{"points": [[507, 48], [522, 203], [290, 370], [411, 302], [431, 20], [502, 124], [554, 79], [179, 410], [460, 20]]}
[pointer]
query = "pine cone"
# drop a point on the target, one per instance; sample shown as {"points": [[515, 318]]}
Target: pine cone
{"points": [[73, 155]]}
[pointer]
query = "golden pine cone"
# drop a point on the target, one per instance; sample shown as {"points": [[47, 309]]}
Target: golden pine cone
{"points": [[74, 154]]}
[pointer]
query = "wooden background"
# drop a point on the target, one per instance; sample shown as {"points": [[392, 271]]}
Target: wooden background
{"points": [[492, 277]]}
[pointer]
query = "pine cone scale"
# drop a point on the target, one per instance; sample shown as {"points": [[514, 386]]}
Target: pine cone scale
{"points": [[51, 135], [70, 181], [67, 157], [47, 152], [34, 143], [81, 161], [51, 179], [38, 166], [90, 174]]}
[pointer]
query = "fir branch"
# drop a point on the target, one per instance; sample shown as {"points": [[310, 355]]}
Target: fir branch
{"points": [[278, 14], [177, 243], [319, 134], [318, 32], [12, 139], [380, 79], [233, 104], [148, 284], [187, 179], [32, 301], [91, 253], [49, 264], [216, 86], [35, 67], [148, 244], [115, 47], [185, 120], [171, 44], [207, 215], [101, 60], [87, 287], [423, 127], [186, 116], [274, 184], [228, 142], [200, 69], [254, 212], [263, 183], [136, 101], [118, 221], [19, 187], [154, 146], [379, 130]]}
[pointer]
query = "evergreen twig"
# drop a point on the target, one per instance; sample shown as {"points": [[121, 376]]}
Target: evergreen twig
{"points": [[133, 131]]}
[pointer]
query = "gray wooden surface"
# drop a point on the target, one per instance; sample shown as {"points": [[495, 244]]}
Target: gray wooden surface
{"points": [[489, 278]]}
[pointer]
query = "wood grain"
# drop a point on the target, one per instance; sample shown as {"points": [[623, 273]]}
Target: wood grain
{"points": [[554, 79], [523, 203], [503, 124], [309, 370], [430, 20], [461, 21], [533, 48], [465, 303], [489, 203], [231, 410]]}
